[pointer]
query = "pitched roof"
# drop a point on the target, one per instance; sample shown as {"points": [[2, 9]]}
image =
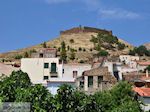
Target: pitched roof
{"points": [[142, 91], [7, 69], [97, 71], [144, 63]]}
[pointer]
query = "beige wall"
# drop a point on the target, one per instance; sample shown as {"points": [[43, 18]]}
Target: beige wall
{"points": [[80, 68], [35, 68]]}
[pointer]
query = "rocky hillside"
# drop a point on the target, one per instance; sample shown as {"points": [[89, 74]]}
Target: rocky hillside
{"points": [[147, 45], [75, 38]]}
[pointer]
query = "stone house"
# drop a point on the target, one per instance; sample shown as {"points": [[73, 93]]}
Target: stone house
{"points": [[97, 79], [45, 53]]}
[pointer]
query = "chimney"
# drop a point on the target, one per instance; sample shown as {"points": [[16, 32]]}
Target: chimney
{"points": [[147, 75]]}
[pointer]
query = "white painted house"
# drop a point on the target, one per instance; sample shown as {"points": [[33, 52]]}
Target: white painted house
{"points": [[117, 69], [129, 60], [142, 65], [42, 69], [50, 71]]}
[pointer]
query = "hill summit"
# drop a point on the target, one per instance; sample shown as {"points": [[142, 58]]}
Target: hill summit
{"points": [[77, 38]]}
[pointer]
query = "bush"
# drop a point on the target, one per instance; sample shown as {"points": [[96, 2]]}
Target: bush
{"points": [[132, 52], [72, 55], [81, 61], [26, 55], [18, 56], [141, 51], [44, 45], [71, 41], [84, 49], [68, 47], [121, 46], [80, 49], [18, 88], [102, 53]]}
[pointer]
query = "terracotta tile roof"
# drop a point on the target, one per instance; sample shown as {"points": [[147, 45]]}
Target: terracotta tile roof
{"points": [[142, 91], [76, 64], [147, 79], [7, 69], [97, 71], [144, 63], [133, 76]]}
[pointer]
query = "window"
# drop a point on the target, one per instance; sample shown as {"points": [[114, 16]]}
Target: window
{"points": [[46, 65], [81, 84], [45, 77], [90, 81], [41, 55], [53, 67], [75, 73], [100, 79]]}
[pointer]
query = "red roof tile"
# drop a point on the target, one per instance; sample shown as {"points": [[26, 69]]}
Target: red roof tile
{"points": [[142, 91], [144, 63]]}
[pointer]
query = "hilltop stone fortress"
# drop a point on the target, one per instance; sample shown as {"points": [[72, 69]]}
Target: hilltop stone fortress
{"points": [[84, 29]]}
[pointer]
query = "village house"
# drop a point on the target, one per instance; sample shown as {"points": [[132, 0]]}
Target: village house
{"points": [[142, 65], [127, 59], [138, 79], [6, 70], [45, 68], [96, 79], [144, 96]]}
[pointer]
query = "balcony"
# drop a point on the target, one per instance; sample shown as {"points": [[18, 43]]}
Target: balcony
{"points": [[54, 72]]}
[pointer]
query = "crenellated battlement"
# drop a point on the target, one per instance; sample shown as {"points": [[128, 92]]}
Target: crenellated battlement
{"points": [[84, 29]]}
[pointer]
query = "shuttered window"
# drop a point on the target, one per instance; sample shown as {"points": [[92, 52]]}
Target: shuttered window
{"points": [[45, 77], [90, 81], [100, 79], [53, 67], [46, 65]]}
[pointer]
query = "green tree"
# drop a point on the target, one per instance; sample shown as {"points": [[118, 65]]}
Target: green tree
{"points": [[71, 41], [44, 45], [102, 53], [93, 40], [63, 55], [63, 99], [68, 47], [26, 54], [80, 49], [84, 49], [132, 52], [121, 46], [9, 85], [141, 50], [39, 97], [18, 56], [98, 47], [119, 99], [103, 101], [123, 95], [72, 54]]}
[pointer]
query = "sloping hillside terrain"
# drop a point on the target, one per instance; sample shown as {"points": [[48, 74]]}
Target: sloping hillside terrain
{"points": [[147, 45], [76, 38]]}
